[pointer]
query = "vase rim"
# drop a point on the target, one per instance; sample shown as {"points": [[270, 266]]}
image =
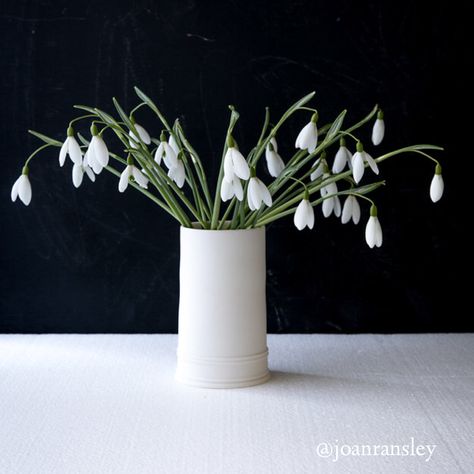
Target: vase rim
{"points": [[196, 226]]}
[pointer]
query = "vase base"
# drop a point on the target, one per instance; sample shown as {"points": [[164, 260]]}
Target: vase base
{"points": [[222, 372]]}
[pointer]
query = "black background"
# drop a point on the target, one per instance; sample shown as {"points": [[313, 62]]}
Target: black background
{"points": [[92, 260]]}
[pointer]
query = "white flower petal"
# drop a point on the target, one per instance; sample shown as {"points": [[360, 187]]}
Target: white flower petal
{"points": [[77, 175], [275, 164], [347, 209], [436, 188], [134, 140], [370, 229], [159, 153], [139, 177], [228, 166], [74, 151], [177, 174], [253, 194], [318, 171], [355, 211], [173, 144], [265, 194], [340, 160], [238, 190], [332, 188], [170, 158], [24, 189], [378, 131], [371, 161], [96, 166], [101, 153], [89, 157], [378, 233], [300, 217], [358, 166], [14, 193], [63, 152], [143, 134], [123, 182], [309, 215], [337, 206], [308, 137], [328, 206], [89, 172], [227, 190], [241, 167]]}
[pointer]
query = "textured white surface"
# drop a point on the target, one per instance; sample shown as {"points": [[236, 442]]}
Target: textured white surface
{"points": [[73, 404]]}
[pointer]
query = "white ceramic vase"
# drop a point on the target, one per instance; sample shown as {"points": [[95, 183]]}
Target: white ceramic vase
{"points": [[222, 308]]}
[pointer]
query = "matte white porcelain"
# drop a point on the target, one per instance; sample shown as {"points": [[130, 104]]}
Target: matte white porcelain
{"points": [[222, 308]]}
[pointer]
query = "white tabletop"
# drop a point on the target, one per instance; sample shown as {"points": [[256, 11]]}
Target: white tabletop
{"points": [[73, 404]]}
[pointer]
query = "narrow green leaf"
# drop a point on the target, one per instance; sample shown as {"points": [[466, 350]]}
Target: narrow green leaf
{"points": [[336, 125], [86, 108], [46, 139], [83, 140], [147, 100], [123, 115]]}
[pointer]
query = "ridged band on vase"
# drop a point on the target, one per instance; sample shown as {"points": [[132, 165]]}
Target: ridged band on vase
{"points": [[222, 308]]}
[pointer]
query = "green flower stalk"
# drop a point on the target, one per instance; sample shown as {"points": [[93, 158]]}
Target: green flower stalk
{"points": [[169, 171]]}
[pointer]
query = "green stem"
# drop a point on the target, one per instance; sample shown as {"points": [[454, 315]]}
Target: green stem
{"points": [[234, 116], [42, 147]]}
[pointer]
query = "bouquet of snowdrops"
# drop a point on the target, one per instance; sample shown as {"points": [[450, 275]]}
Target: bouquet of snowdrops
{"points": [[169, 171]]}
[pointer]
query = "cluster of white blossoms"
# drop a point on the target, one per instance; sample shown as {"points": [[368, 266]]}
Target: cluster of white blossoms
{"points": [[236, 169], [167, 168], [356, 163]]}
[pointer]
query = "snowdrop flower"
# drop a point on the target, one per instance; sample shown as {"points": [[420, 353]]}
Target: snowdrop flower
{"points": [[378, 131], [235, 163], [70, 147], [166, 152], [320, 167], [330, 204], [437, 185], [304, 215], [131, 171], [173, 144], [177, 173], [78, 173], [373, 230], [308, 137], [22, 188], [143, 135], [257, 193], [351, 210], [343, 157], [229, 189], [97, 154], [275, 164], [359, 160]]}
